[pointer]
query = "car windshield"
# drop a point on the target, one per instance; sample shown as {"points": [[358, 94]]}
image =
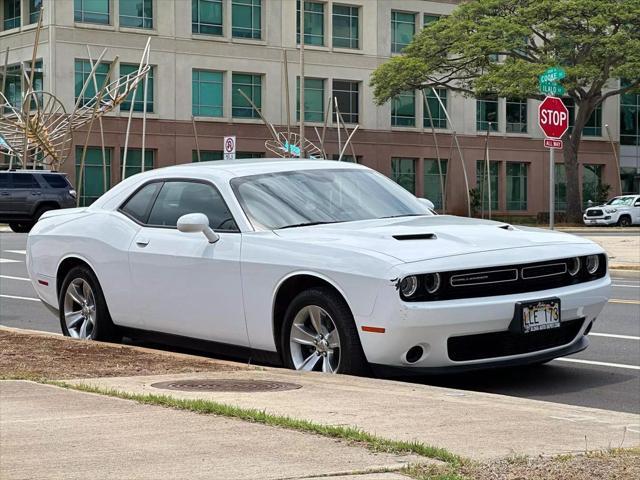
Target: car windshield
{"points": [[312, 197], [620, 201]]}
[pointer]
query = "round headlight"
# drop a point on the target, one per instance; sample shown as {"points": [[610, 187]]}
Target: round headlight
{"points": [[593, 262], [432, 282], [574, 266], [409, 285]]}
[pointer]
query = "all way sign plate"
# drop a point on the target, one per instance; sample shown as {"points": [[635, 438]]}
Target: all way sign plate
{"points": [[552, 143]]}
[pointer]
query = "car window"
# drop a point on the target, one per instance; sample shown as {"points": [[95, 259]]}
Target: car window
{"points": [[139, 204], [24, 180], [56, 181], [4, 181], [179, 198]]}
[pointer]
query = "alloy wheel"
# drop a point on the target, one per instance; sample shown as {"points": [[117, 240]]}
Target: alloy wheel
{"points": [[314, 341], [80, 309]]}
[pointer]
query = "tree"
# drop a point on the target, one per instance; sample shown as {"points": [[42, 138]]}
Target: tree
{"points": [[597, 42]]}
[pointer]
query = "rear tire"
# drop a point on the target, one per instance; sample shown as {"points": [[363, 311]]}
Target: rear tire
{"points": [[318, 327], [42, 211], [624, 221], [21, 227]]}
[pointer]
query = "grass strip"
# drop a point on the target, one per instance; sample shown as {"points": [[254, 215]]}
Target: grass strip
{"points": [[208, 407]]}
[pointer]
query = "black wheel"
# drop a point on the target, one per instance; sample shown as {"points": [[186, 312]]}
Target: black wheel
{"points": [[624, 221], [21, 227], [83, 310], [319, 334]]}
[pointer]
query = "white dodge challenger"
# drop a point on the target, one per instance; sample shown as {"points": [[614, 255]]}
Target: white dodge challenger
{"points": [[324, 266]]}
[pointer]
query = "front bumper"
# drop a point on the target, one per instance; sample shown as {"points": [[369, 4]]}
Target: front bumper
{"points": [[606, 220], [429, 325]]}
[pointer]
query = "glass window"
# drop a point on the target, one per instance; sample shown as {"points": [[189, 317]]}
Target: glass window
{"points": [[139, 205], [348, 158], [403, 110], [134, 160], [516, 186], [561, 187], [516, 115], [206, 93], [428, 19], [93, 177], [34, 10], [91, 11], [82, 69], [241, 155], [487, 114], [403, 27], [347, 93], [246, 19], [251, 85], [313, 23], [438, 115], [24, 180], [593, 127], [126, 69], [206, 17], [181, 198], [206, 155], [136, 13], [432, 185], [4, 180], [56, 181], [591, 183], [629, 179], [345, 26], [403, 172], [313, 99], [11, 14], [571, 107], [481, 183], [13, 85], [629, 118]]}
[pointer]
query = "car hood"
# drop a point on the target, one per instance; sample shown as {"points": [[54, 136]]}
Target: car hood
{"points": [[412, 239]]}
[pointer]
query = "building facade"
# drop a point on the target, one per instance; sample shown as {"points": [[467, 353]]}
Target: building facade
{"points": [[204, 51]]}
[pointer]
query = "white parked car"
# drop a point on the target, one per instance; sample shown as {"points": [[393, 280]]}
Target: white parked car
{"points": [[323, 265], [623, 211]]}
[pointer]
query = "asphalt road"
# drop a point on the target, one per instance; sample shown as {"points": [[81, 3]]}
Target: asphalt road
{"points": [[606, 375]]}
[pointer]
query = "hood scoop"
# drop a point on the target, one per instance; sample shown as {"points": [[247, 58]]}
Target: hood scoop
{"points": [[416, 236], [506, 227]]}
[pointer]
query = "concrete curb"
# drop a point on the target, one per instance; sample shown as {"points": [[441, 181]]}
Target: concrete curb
{"points": [[625, 273]]}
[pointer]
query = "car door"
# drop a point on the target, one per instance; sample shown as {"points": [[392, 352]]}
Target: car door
{"points": [[636, 211], [183, 284], [5, 193], [25, 194]]}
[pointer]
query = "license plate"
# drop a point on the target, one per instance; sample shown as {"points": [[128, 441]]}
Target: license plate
{"points": [[539, 315]]}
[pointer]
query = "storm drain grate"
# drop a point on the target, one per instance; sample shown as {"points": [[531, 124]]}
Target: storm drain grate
{"points": [[226, 385]]}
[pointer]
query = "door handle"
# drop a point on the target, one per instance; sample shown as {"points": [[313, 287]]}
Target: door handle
{"points": [[142, 242], [36, 194], [5, 194]]}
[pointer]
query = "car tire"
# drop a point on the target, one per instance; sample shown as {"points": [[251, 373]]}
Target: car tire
{"points": [[624, 221], [81, 294], [21, 227], [331, 353]]}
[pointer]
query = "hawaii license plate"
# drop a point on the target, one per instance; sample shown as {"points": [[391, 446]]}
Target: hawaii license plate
{"points": [[539, 315]]}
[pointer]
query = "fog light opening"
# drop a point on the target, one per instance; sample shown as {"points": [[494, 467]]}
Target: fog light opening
{"points": [[414, 354], [586, 332]]}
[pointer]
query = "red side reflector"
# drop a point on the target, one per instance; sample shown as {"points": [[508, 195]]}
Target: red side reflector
{"points": [[43, 282], [373, 329]]}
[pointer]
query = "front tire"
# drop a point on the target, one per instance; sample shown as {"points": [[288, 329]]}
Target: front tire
{"points": [[624, 221], [319, 334], [83, 309]]}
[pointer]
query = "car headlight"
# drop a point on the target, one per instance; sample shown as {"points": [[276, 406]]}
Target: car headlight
{"points": [[573, 265], [432, 282], [409, 286], [611, 210], [592, 264]]}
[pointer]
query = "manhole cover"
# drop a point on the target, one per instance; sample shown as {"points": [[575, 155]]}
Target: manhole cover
{"points": [[225, 385]]}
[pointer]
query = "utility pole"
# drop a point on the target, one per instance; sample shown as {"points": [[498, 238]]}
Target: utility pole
{"points": [[302, 6]]}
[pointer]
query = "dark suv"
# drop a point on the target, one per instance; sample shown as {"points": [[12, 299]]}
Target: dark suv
{"points": [[26, 194]]}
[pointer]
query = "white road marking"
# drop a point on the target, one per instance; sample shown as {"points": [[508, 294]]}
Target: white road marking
{"points": [[600, 364], [619, 300], [19, 252], [625, 286], [16, 297], [9, 260], [9, 277], [613, 335]]}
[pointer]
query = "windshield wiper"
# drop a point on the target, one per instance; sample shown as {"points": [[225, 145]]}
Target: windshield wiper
{"points": [[308, 224]]}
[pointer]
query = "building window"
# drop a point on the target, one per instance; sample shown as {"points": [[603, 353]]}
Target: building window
{"points": [[560, 198], [93, 175], [134, 160], [34, 10], [207, 93], [345, 26], [91, 11], [126, 69], [403, 110], [82, 70], [348, 158], [251, 85], [313, 99], [516, 115], [591, 183], [206, 17], [246, 19], [629, 118], [438, 115], [313, 23], [241, 155], [38, 85], [13, 85], [206, 155], [403, 27], [593, 127], [516, 186], [629, 180], [571, 107], [136, 13], [481, 183], [428, 19], [347, 94], [11, 13], [432, 185], [487, 114], [403, 172]]}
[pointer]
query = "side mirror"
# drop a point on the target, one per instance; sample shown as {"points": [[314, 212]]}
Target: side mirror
{"points": [[427, 203], [197, 222]]}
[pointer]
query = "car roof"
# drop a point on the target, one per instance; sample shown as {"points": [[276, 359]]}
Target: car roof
{"points": [[253, 166]]}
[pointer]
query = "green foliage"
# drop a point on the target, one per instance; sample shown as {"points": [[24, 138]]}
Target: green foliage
{"points": [[476, 200]]}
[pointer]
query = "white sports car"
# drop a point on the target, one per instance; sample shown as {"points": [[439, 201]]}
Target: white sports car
{"points": [[322, 265]]}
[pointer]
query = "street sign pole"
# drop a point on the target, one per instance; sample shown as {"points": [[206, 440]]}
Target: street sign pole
{"points": [[552, 186]]}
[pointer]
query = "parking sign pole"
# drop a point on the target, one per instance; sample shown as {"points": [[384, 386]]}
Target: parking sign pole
{"points": [[552, 186]]}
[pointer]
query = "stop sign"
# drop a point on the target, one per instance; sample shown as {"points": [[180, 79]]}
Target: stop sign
{"points": [[553, 117]]}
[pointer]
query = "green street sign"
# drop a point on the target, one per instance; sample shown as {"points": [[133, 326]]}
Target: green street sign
{"points": [[552, 88], [552, 74]]}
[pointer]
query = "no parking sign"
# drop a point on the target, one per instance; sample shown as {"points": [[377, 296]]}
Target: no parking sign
{"points": [[230, 148]]}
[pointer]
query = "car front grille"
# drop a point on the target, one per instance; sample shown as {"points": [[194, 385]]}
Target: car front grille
{"points": [[594, 213], [502, 344]]}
